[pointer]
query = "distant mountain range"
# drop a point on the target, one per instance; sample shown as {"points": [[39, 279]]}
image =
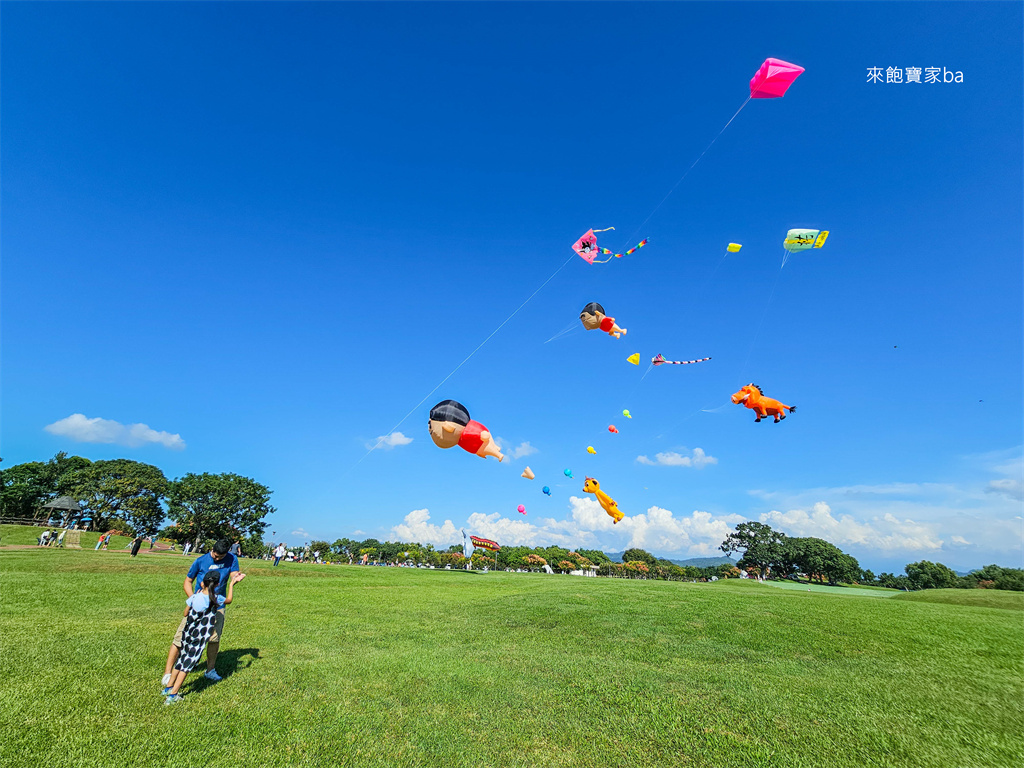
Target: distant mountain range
{"points": [[696, 562], [705, 562]]}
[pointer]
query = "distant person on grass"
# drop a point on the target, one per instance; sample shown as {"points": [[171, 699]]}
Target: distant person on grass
{"points": [[222, 563], [136, 545], [279, 553], [200, 617]]}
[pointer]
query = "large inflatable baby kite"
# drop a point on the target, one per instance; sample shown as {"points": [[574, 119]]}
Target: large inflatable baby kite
{"points": [[590, 485], [450, 425], [752, 397], [594, 319]]}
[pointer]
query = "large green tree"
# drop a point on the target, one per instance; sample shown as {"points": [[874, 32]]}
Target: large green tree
{"points": [[595, 555], [322, 547], [636, 555], [225, 506], [24, 488], [1000, 578], [820, 559], [119, 488], [345, 546], [928, 575], [761, 545]]}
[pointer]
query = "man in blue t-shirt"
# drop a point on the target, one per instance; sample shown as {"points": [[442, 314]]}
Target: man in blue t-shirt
{"points": [[217, 559]]}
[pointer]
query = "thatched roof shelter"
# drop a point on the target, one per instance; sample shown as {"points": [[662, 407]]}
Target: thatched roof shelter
{"points": [[63, 508], [65, 503]]}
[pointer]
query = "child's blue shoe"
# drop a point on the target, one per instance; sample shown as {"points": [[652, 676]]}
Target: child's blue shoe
{"points": [[174, 698], [166, 691]]}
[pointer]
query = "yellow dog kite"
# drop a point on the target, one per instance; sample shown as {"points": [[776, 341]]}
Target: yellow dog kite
{"points": [[590, 485]]}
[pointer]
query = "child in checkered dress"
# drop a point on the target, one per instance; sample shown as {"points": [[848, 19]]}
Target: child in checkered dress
{"points": [[200, 616]]}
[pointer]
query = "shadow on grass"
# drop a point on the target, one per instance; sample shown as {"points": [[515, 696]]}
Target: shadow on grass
{"points": [[228, 663]]}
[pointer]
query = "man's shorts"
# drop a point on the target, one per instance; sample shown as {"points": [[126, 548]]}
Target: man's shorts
{"points": [[218, 628]]}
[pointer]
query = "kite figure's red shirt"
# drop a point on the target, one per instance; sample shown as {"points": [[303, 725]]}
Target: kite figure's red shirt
{"points": [[471, 440]]}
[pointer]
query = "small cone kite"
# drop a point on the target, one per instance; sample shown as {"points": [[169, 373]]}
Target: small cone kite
{"points": [[634, 358], [528, 474]]}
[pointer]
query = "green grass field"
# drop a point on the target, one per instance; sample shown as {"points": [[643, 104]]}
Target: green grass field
{"points": [[342, 665], [11, 535], [978, 598]]}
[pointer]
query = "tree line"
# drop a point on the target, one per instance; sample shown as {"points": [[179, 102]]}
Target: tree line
{"points": [[773, 554], [636, 563], [138, 499]]}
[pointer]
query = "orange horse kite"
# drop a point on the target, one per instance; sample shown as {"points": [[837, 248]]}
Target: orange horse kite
{"points": [[752, 397]]}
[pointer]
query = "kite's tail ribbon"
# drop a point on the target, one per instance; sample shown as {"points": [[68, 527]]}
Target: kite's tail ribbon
{"points": [[678, 362], [613, 255]]}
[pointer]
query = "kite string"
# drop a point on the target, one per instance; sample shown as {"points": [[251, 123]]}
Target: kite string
{"points": [[637, 385], [456, 369], [570, 328], [757, 332], [692, 166]]}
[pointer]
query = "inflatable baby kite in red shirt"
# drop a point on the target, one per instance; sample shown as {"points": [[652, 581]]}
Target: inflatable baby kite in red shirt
{"points": [[594, 319], [450, 425]]}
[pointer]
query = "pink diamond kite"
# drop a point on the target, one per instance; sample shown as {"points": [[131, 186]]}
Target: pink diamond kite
{"points": [[586, 247], [773, 79]]}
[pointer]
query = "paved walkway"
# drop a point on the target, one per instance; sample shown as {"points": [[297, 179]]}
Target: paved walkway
{"points": [[834, 590]]}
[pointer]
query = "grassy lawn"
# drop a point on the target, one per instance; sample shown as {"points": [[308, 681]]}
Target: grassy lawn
{"points": [[342, 665], [29, 535], [979, 598]]}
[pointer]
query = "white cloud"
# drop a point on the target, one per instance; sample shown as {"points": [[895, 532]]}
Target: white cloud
{"points": [[301, 533], [1009, 487], [697, 459], [659, 530], [886, 532], [962, 524], [521, 450], [416, 527], [590, 527], [964, 521], [85, 430], [389, 441]]}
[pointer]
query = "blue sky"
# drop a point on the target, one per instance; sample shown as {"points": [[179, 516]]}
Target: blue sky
{"points": [[266, 231]]}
